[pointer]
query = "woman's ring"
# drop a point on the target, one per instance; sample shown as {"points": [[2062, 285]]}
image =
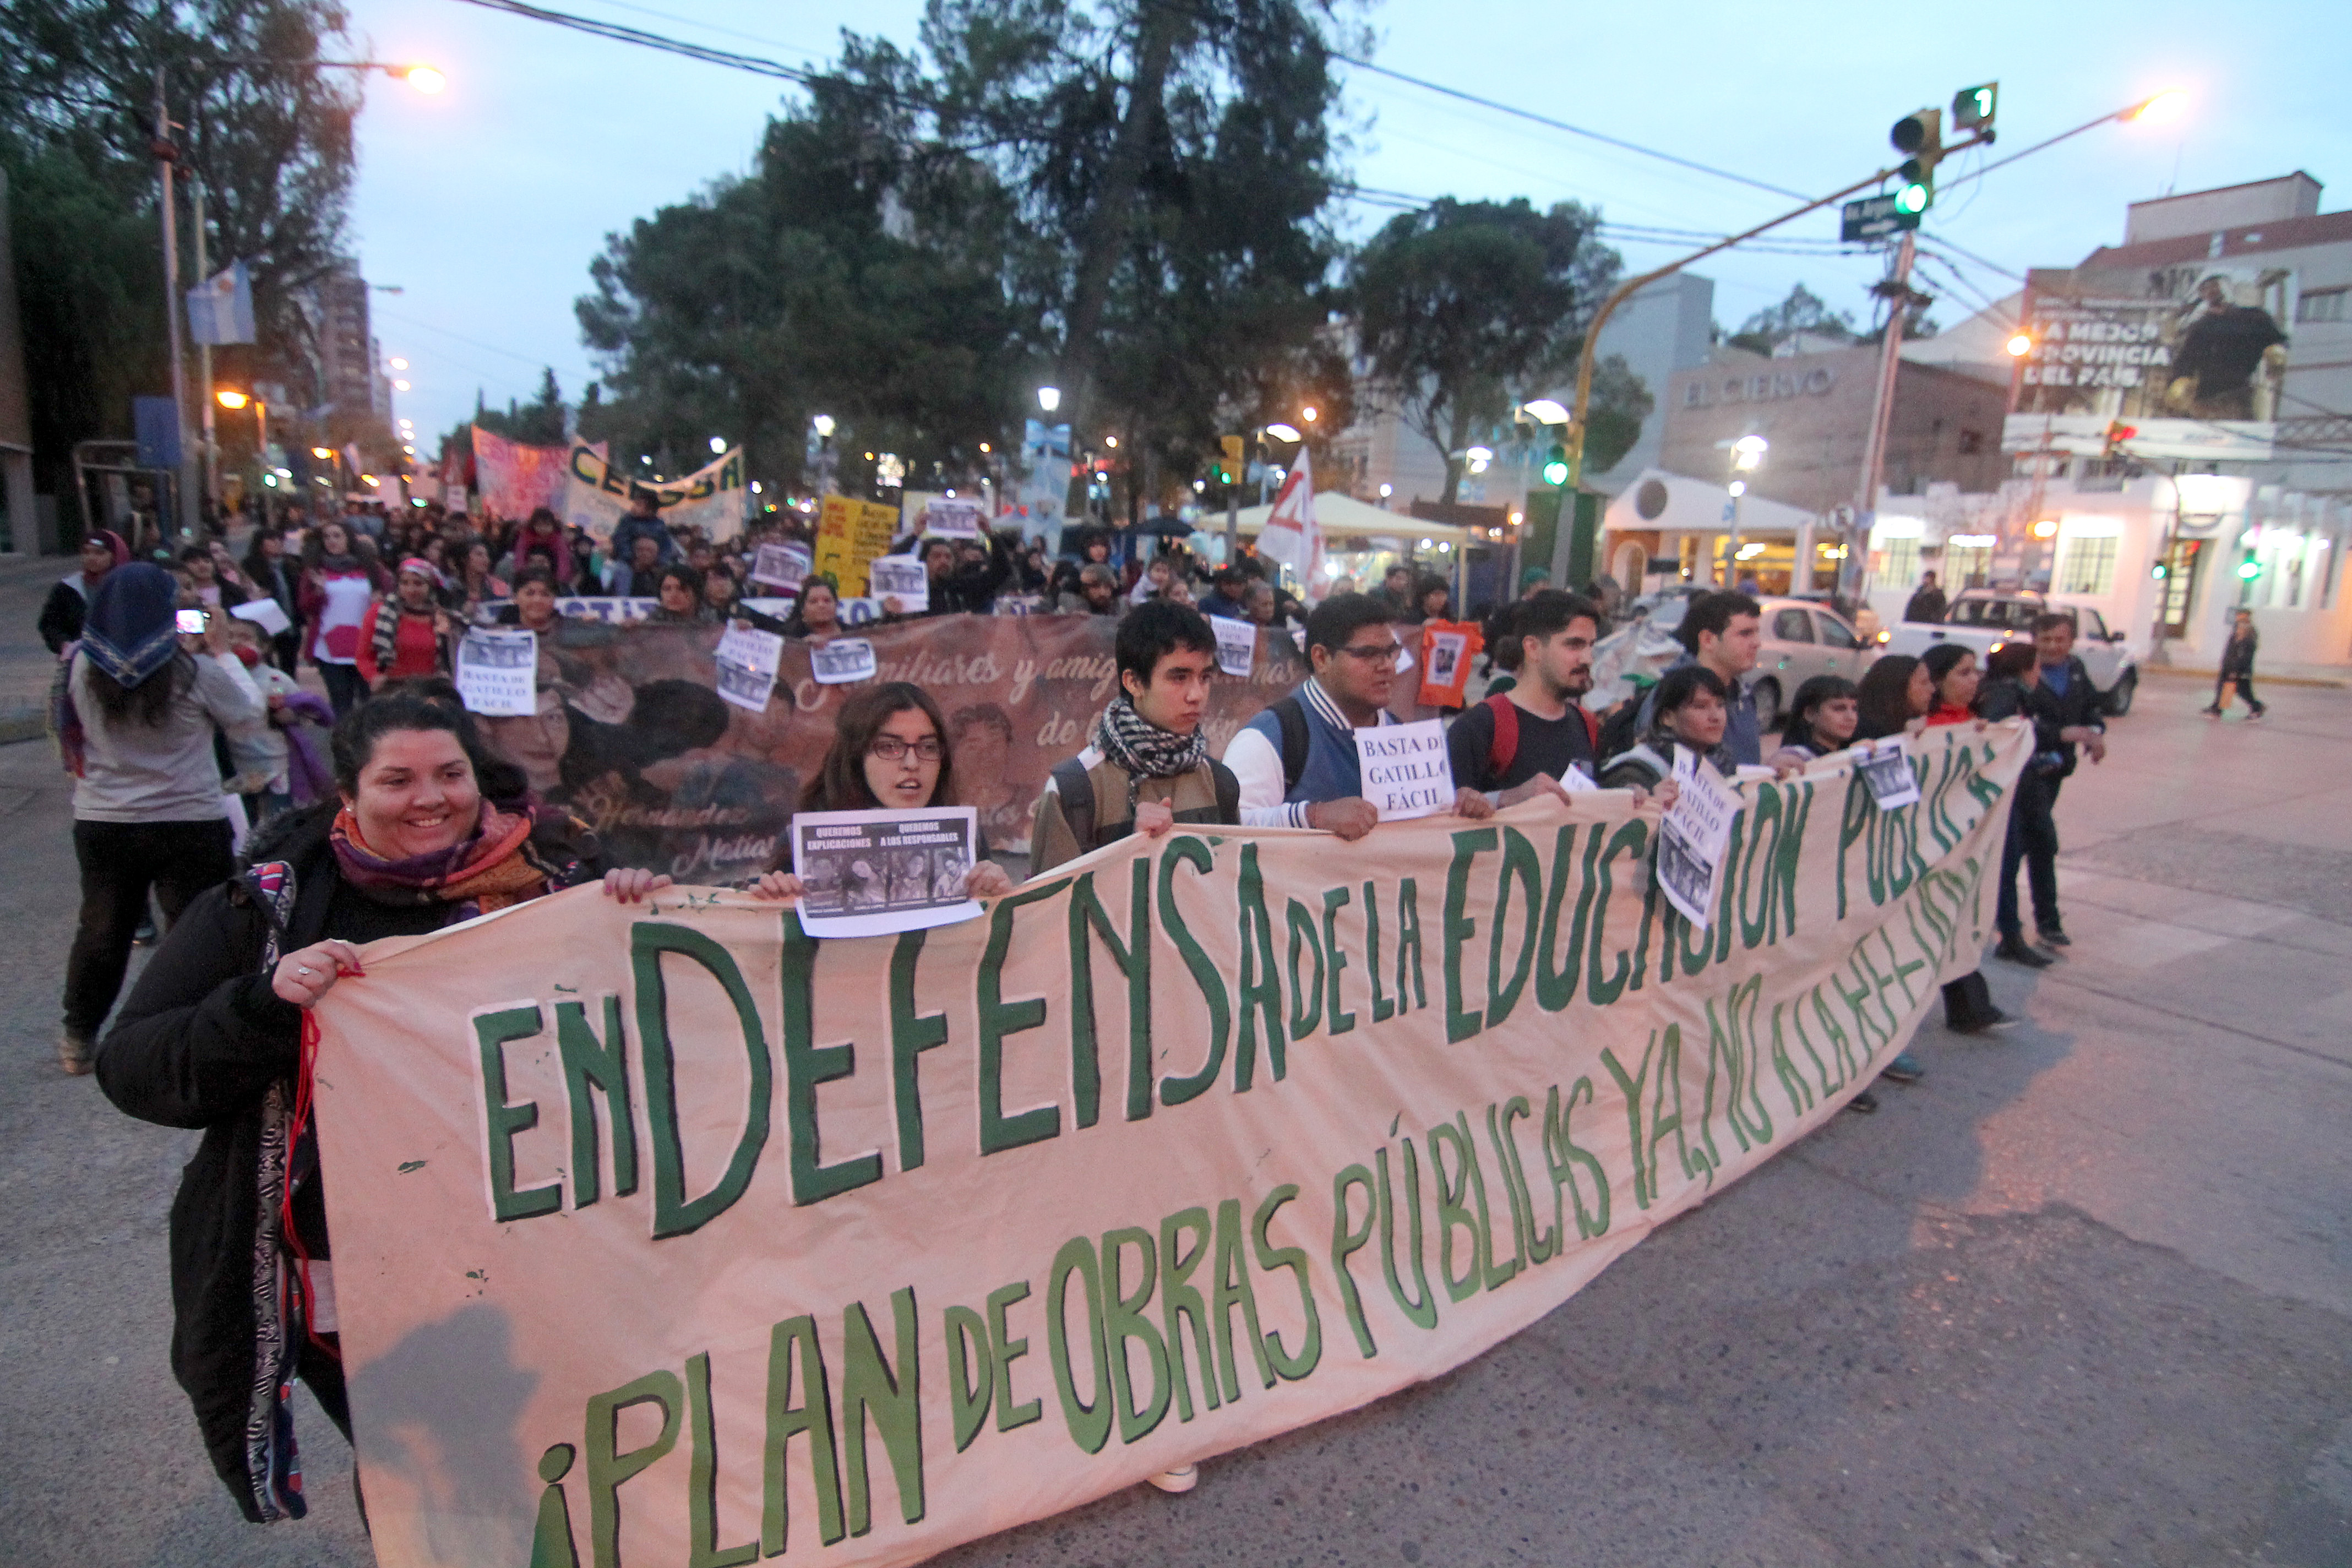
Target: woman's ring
{"points": [[301, 968]]}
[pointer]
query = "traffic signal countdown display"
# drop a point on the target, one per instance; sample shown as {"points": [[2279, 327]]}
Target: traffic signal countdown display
{"points": [[1920, 137]]}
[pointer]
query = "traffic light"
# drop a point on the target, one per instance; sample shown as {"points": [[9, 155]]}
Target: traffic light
{"points": [[1230, 466], [2118, 434], [2248, 569], [1555, 468], [1972, 108], [1922, 136]]}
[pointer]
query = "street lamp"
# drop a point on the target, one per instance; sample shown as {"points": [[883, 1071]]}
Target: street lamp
{"points": [[1282, 431], [2020, 345], [1049, 398], [718, 445], [1546, 411], [1747, 457]]}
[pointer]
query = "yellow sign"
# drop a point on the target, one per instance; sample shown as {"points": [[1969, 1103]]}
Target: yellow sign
{"points": [[850, 534]]}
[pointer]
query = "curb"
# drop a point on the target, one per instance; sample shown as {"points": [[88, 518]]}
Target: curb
{"points": [[2266, 679], [24, 724]]}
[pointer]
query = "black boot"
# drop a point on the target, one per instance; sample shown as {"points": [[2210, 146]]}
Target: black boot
{"points": [[2014, 949]]}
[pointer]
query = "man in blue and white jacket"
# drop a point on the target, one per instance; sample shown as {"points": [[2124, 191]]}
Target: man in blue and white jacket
{"points": [[1296, 761]]}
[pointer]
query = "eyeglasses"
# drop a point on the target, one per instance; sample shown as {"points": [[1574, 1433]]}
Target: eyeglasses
{"points": [[891, 748], [1375, 653]]}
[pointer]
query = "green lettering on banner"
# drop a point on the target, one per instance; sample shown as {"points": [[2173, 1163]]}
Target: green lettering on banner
{"points": [[1260, 983], [1519, 863], [1519, 1258], [790, 1343], [673, 1213], [1644, 1179], [1792, 1080], [1179, 1300], [893, 1398], [1556, 984], [1541, 1246], [1191, 851], [1306, 1000], [1382, 1008], [1421, 1312], [1335, 958], [1004, 1350], [589, 1066], [1663, 1121], [1759, 928], [609, 1470], [1634, 839], [1271, 1257], [1453, 1210], [1230, 1287], [1458, 928], [1123, 1319], [1409, 941], [702, 1548], [968, 1395], [1345, 1242], [1562, 1159], [1854, 822], [1088, 1423], [493, 1032], [911, 1034], [807, 1065], [999, 1019], [1133, 959]]}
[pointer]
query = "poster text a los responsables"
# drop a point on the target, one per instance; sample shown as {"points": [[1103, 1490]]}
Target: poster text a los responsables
{"points": [[1138, 1096]]}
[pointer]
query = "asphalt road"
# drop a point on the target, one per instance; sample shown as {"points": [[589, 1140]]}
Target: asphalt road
{"points": [[2082, 1297]]}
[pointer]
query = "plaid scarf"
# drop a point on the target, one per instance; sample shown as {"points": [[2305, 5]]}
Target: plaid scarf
{"points": [[488, 870], [1142, 749]]}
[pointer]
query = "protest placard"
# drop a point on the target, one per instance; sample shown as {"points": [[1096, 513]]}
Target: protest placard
{"points": [[265, 613], [952, 519], [785, 566], [1695, 835], [1236, 643], [903, 578], [1448, 646], [873, 873], [849, 535], [596, 494], [1885, 767], [841, 661], [747, 659], [496, 671], [516, 481], [1406, 771], [664, 1231]]}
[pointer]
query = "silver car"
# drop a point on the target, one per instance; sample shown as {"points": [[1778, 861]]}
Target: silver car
{"points": [[1801, 639]]}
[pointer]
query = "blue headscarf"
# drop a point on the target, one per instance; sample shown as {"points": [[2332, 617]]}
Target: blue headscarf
{"points": [[129, 632]]}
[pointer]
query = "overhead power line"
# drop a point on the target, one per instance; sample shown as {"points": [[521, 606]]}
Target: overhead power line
{"points": [[622, 34]]}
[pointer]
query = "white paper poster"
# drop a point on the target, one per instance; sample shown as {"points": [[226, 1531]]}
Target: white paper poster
{"points": [[1236, 643], [953, 520], [869, 873], [1693, 835], [747, 659], [899, 577], [786, 565], [1406, 771], [1404, 655], [497, 672], [1888, 771], [265, 613], [841, 661]]}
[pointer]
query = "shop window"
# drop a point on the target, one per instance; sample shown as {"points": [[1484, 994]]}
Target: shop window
{"points": [[2088, 566], [1965, 567], [1902, 562], [2322, 305]]}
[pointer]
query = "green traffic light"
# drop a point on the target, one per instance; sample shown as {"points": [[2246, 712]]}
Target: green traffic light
{"points": [[1555, 472], [1912, 198], [2250, 570]]}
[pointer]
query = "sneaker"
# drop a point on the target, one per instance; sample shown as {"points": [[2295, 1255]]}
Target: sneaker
{"points": [[1182, 1478], [1993, 1019], [2210, 712], [2258, 712], [1863, 1104], [73, 1054], [2013, 948], [1904, 1069], [145, 935], [2053, 936]]}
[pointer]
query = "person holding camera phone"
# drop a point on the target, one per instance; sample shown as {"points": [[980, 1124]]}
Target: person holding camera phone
{"points": [[148, 684]]}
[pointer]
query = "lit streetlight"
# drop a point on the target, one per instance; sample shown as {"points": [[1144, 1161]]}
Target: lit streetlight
{"points": [[1282, 431], [1308, 414], [2020, 346], [396, 362], [400, 386], [718, 445], [1747, 457], [1546, 411], [1049, 398]]}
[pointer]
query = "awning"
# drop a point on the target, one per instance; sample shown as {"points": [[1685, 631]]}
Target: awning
{"points": [[1343, 517]]}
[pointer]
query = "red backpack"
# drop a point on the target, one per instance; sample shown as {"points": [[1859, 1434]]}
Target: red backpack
{"points": [[1507, 734]]}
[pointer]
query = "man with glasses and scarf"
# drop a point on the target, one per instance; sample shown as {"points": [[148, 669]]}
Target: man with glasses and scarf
{"points": [[1296, 761], [1148, 766]]}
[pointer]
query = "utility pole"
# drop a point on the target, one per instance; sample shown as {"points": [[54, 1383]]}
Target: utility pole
{"points": [[204, 350], [1897, 290], [167, 153]]}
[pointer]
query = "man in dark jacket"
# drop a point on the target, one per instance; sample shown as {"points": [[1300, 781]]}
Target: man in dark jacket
{"points": [[2067, 709], [1928, 604], [68, 600], [644, 522]]}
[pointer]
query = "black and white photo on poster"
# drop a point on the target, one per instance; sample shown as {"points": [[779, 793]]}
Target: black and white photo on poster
{"points": [[899, 577], [867, 873], [496, 672], [1694, 837], [1887, 769], [841, 661]]}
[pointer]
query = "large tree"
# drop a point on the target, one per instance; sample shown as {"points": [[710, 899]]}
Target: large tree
{"points": [[1463, 308], [271, 143]]}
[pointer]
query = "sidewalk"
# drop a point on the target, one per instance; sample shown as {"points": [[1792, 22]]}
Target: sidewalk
{"points": [[25, 666], [2333, 676]]}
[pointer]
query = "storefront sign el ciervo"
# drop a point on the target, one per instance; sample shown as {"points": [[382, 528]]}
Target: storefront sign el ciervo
{"points": [[1764, 386]]}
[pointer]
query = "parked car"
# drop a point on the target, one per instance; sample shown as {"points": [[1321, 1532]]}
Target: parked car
{"points": [[1803, 638], [1983, 619]]}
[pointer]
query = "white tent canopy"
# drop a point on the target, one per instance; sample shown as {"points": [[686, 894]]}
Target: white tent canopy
{"points": [[1344, 518]]}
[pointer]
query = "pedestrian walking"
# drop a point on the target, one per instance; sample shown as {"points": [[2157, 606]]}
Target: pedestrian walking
{"points": [[2076, 714], [1689, 707], [63, 612], [1724, 631], [276, 576], [338, 588], [1148, 765], [142, 702], [409, 632], [2012, 672], [425, 831], [1928, 603], [2238, 668], [1529, 739]]}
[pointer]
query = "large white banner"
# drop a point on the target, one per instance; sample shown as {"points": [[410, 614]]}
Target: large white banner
{"points": [[596, 494], [665, 1235]]}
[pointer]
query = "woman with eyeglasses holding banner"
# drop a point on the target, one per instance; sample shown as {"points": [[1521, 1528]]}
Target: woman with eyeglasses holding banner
{"points": [[890, 752]]}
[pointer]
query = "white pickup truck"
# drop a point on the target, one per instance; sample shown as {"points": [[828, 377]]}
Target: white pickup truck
{"points": [[1983, 619]]}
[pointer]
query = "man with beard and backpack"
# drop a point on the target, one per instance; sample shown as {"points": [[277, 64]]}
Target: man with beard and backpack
{"points": [[1531, 738]]}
